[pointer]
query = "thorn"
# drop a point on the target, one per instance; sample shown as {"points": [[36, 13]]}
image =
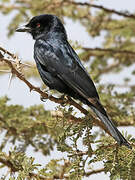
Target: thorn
{"points": [[10, 80], [17, 60], [18, 64], [26, 64], [31, 89], [10, 76], [1, 55], [14, 61], [5, 71]]}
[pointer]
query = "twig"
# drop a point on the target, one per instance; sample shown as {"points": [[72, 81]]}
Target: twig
{"points": [[13, 56], [7, 52], [108, 69], [87, 174], [109, 50]]}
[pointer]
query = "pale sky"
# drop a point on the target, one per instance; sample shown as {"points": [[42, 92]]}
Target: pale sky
{"points": [[22, 44]]}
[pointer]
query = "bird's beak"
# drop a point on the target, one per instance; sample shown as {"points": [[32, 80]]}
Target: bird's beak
{"points": [[23, 29]]}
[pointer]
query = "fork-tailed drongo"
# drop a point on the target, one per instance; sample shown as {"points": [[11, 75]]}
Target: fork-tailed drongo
{"points": [[61, 69]]}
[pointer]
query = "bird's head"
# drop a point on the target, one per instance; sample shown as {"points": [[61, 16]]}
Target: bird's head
{"points": [[41, 25]]}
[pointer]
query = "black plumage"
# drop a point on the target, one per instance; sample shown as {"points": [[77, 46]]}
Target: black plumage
{"points": [[61, 69]]}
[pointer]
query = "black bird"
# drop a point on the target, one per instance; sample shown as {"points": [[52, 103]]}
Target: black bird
{"points": [[61, 69]]}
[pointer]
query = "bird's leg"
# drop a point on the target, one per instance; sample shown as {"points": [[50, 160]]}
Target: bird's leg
{"points": [[64, 99], [46, 90], [62, 96]]}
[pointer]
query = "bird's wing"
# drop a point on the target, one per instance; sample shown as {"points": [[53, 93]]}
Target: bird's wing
{"points": [[62, 61]]}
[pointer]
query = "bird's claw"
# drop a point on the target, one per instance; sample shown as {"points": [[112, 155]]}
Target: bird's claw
{"points": [[43, 99], [64, 99], [46, 90]]}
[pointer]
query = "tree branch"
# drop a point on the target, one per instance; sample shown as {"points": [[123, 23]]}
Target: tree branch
{"points": [[111, 11], [52, 98], [124, 14], [45, 95]]}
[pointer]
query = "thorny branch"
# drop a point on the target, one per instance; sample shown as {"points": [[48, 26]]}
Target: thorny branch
{"points": [[45, 95], [69, 100]]}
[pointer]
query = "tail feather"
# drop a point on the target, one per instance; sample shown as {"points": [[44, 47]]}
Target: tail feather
{"points": [[111, 127]]}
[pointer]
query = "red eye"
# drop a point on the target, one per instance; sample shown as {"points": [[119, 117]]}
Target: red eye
{"points": [[38, 25]]}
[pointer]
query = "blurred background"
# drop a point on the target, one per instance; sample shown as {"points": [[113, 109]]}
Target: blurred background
{"points": [[103, 34]]}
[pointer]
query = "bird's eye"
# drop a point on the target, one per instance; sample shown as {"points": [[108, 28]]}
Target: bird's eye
{"points": [[38, 25]]}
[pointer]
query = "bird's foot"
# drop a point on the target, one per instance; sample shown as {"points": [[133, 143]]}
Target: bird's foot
{"points": [[64, 99], [46, 90]]}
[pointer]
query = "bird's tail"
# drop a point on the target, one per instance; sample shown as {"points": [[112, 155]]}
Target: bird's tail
{"points": [[111, 127]]}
